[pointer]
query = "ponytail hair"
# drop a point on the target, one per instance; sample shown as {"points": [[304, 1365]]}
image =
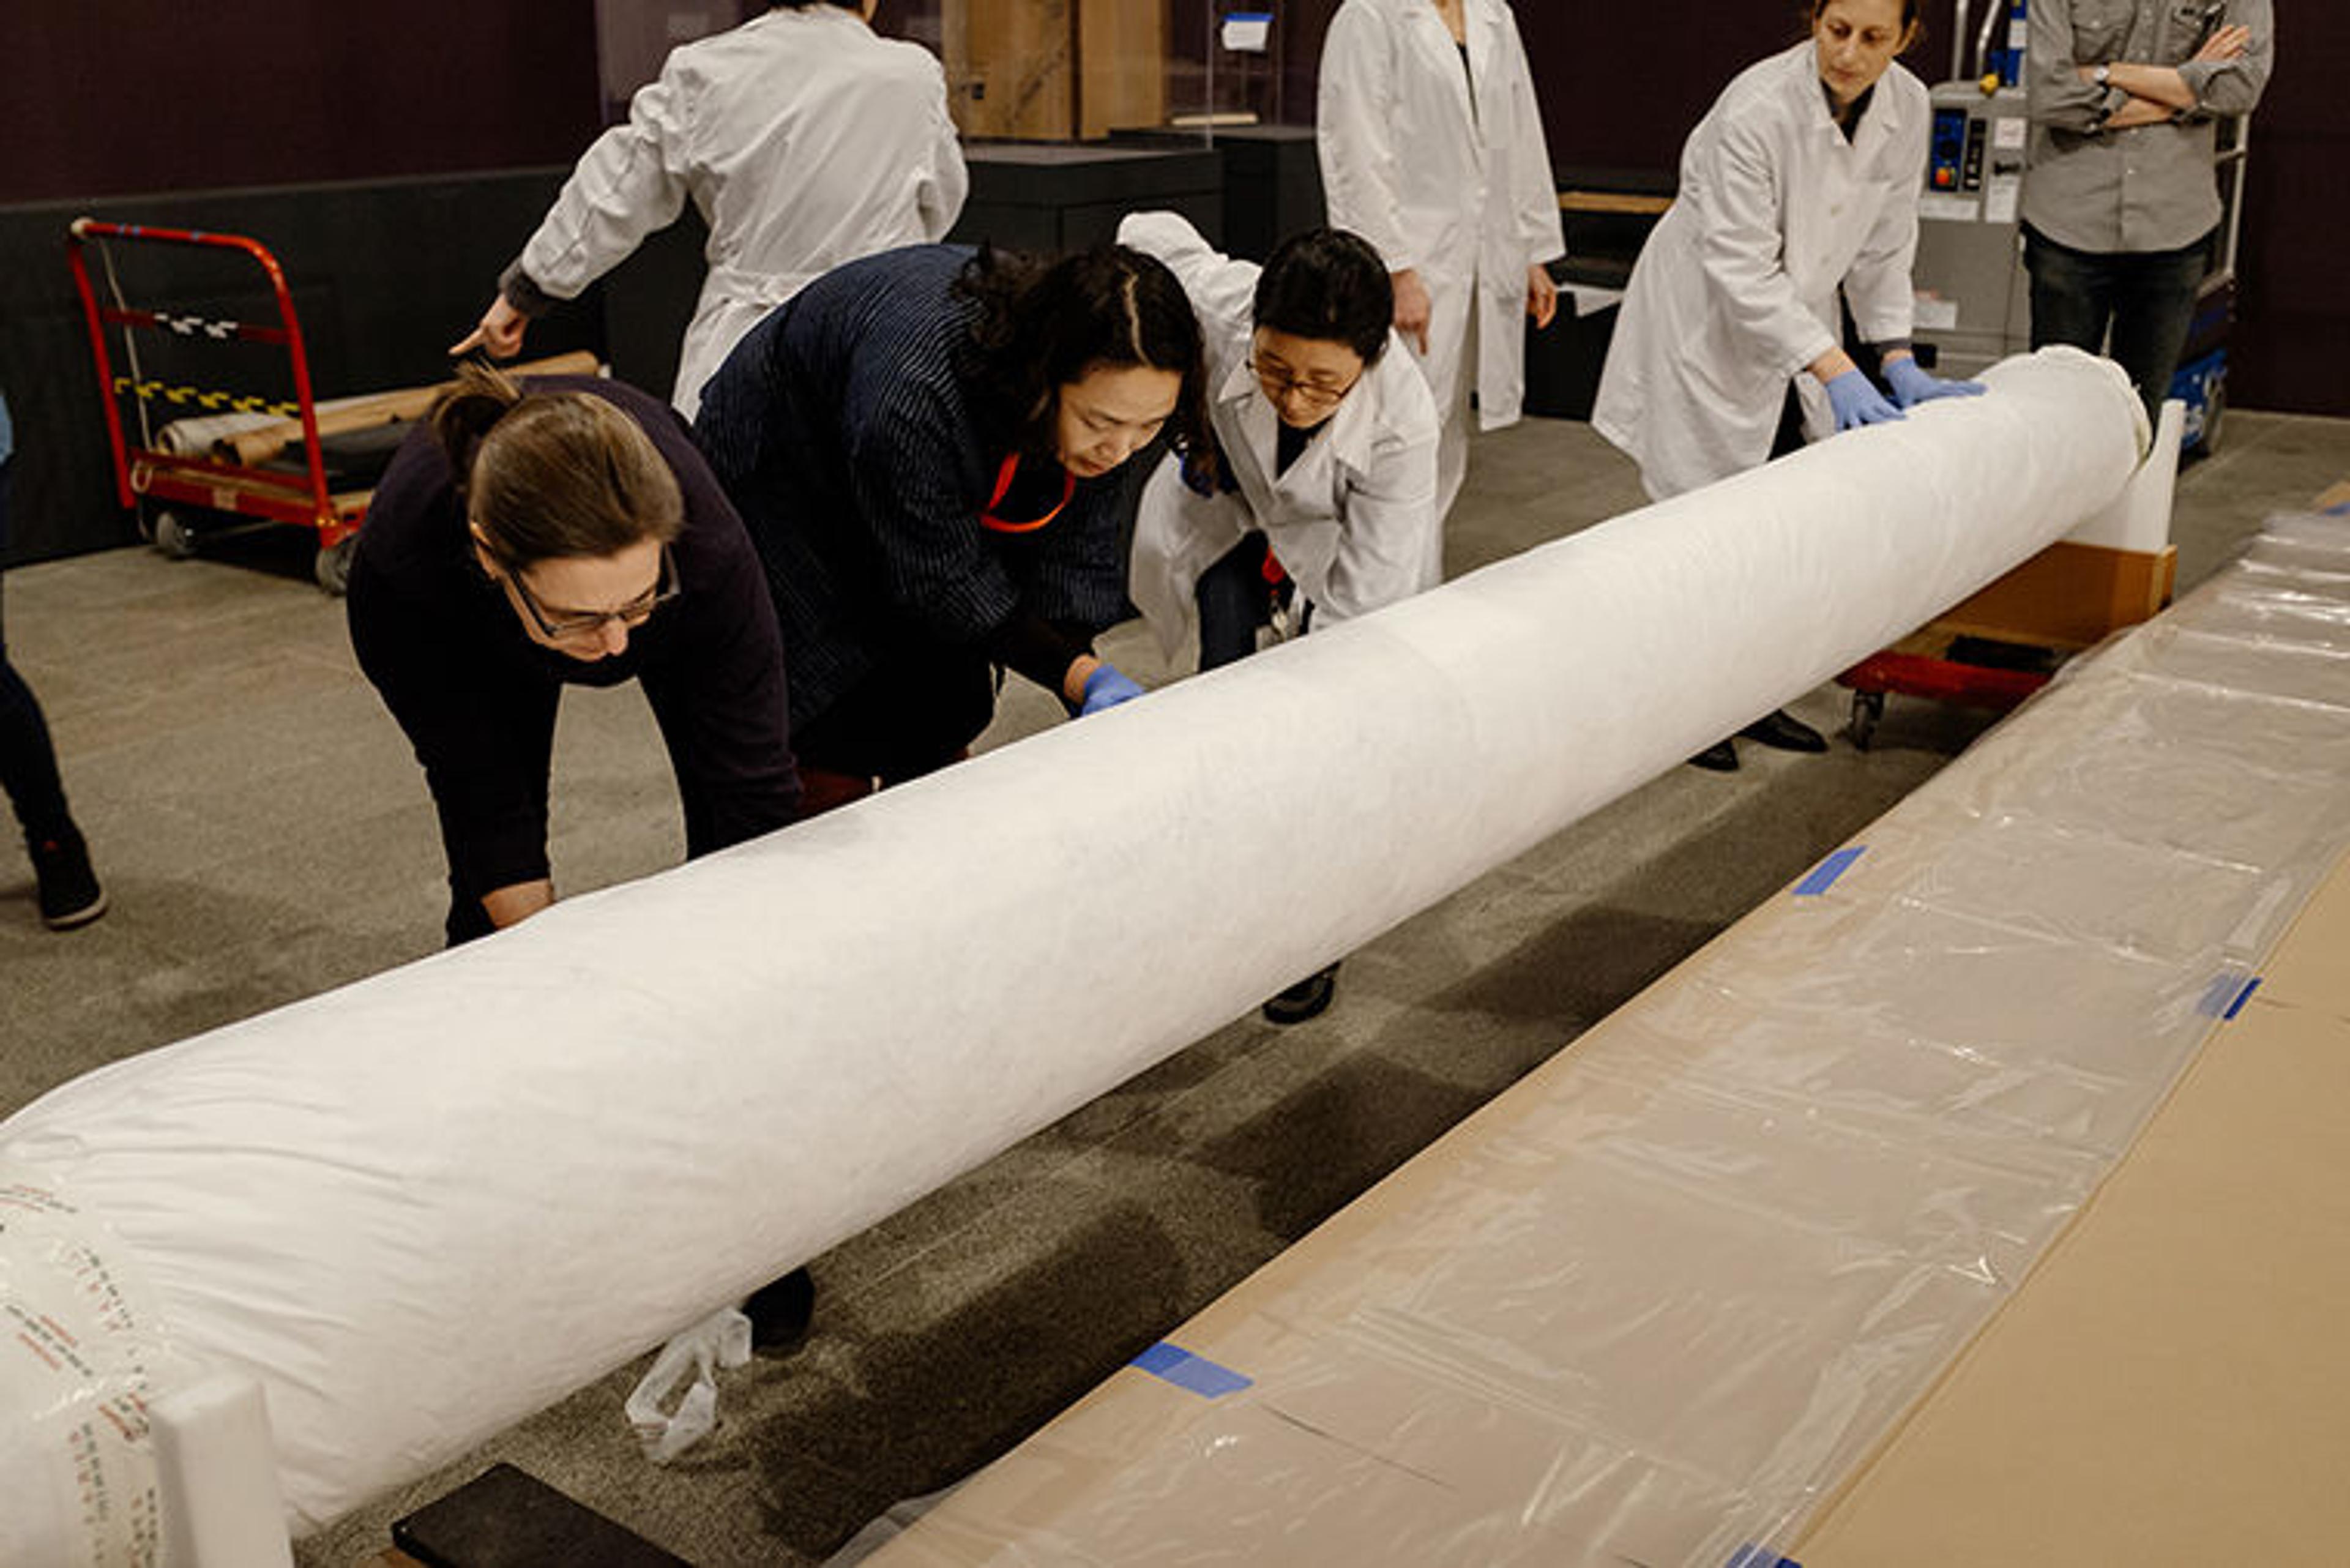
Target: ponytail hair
{"points": [[552, 475]]}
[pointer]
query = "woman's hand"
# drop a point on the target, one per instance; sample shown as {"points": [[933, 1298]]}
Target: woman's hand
{"points": [[1858, 402], [1092, 684], [1411, 308], [1541, 295], [1912, 385], [499, 331]]}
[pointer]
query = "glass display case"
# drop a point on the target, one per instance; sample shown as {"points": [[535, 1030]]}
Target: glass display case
{"points": [[1045, 70], [1083, 70], [1074, 111]]}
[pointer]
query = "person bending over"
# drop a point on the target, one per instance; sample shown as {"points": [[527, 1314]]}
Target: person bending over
{"points": [[930, 450], [551, 533], [1326, 445]]}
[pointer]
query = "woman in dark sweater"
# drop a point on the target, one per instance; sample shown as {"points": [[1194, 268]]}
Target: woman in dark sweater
{"points": [[930, 450], [558, 532]]}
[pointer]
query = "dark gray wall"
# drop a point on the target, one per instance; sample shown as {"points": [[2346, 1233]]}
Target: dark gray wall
{"points": [[384, 277], [386, 274]]}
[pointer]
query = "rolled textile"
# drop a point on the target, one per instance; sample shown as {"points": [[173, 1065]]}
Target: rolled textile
{"points": [[424, 1205]]}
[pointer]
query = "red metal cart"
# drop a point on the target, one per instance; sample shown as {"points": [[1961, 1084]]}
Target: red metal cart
{"points": [[2003, 643], [150, 479]]}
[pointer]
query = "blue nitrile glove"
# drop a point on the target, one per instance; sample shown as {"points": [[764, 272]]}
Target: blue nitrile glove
{"points": [[1106, 688], [1200, 470], [1912, 385], [1858, 401]]}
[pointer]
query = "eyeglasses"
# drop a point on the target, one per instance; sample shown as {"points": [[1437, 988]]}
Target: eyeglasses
{"points": [[569, 626], [1280, 382]]}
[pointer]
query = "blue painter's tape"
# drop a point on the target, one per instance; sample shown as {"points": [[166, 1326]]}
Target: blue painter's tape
{"points": [[2226, 993], [2242, 997], [1823, 876], [1185, 1370], [1759, 1557]]}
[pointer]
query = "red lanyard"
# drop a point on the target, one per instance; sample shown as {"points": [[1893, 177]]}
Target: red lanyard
{"points": [[989, 520]]}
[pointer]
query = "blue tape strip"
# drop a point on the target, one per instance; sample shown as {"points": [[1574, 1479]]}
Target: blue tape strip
{"points": [[1759, 1557], [1185, 1370], [2339, 509], [2227, 993], [1823, 876], [2242, 997]]}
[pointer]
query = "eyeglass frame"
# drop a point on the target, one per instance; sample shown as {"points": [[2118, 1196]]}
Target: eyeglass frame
{"points": [[666, 588], [1283, 386]]}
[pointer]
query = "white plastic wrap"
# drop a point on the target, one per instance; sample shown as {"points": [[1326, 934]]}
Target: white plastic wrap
{"points": [[1655, 1304], [80, 1351], [425, 1206]]}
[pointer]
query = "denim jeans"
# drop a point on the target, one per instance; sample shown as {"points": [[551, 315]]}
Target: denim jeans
{"points": [[28, 763], [2144, 299]]}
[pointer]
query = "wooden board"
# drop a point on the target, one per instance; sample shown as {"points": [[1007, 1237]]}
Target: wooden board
{"points": [[1614, 202], [2069, 596], [1008, 68], [1122, 61]]}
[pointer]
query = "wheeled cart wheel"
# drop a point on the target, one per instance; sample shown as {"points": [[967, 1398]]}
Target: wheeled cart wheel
{"points": [[171, 534], [1868, 708], [333, 565]]}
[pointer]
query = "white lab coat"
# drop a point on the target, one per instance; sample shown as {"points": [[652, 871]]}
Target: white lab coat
{"points": [[1735, 291], [1353, 521], [1460, 193], [804, 139]]}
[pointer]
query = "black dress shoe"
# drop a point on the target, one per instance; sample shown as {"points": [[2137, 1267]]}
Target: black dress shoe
{"points": [[779, 1312], [1307, 999], [1720, 757], [1781, 729]]}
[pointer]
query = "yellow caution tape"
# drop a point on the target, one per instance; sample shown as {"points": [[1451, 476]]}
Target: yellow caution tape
{"points": [[198, 397]]}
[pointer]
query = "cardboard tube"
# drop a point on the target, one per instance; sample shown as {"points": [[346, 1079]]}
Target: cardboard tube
{"points": [[265, 443]]}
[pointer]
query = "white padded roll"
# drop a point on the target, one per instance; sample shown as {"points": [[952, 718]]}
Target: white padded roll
{"points": [[425, 1206]]}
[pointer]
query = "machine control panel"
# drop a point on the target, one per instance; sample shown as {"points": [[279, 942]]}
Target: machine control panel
{"points": [[1954, 163]]}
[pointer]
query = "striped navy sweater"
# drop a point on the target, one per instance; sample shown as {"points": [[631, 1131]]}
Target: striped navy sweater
{"points": [[845, 431]]}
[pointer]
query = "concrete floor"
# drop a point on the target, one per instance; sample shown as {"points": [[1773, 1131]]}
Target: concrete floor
{"points": [[264, 835]]}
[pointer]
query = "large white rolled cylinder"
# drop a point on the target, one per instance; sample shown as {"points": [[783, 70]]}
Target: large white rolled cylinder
{"points": [[424, 1205]]}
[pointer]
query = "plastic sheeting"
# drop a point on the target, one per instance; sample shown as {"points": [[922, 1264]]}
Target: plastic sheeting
{"points": [[1656, 1303], [427, 1205], [80, 1349]]}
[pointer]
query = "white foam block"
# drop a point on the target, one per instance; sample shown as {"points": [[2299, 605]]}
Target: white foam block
{"points": [[2140, 518], [216, 1468]]}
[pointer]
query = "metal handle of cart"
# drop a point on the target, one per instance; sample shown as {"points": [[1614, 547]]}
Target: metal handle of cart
{"points": [[194, 479]]}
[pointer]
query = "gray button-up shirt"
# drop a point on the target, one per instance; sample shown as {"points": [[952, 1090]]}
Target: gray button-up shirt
{"points": [[2147, 188]]}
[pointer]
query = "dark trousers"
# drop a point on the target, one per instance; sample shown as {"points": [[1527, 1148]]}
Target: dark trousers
{"points": [[1789, 437], [29, 761], [912, 716], [526, 716], [1235, 600], [2143, 301]]}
